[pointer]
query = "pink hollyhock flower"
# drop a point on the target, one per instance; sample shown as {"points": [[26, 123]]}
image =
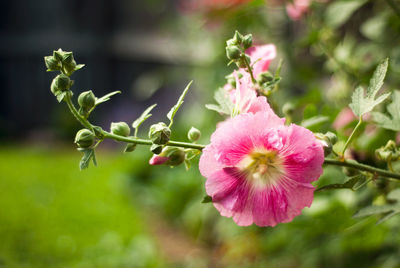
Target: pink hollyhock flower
{"points": [[260, 171], [245, 98], [261, 57], [297, 9]]}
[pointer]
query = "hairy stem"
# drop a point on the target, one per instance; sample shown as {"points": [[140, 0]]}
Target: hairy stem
{"points": [[249, 69], [75, 112]]}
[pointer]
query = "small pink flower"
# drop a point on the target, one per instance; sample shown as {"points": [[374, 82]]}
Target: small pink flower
{"points": [[245, 98], [158, 160], [260, 171], [345, 117], [261, 57], [297, 9]]}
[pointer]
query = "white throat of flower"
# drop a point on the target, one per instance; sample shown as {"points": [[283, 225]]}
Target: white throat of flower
{"points": [[263, 168]]}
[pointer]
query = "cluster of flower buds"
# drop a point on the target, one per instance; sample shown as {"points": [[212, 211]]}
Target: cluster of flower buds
{"points": [[235, 49], [62, 61], [389, 152]]}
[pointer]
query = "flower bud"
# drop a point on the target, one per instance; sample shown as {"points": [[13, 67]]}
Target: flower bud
{"points": [[247, 41], [84, 138], [60, 83], [130, 147], [265, 77], [159, 133], [194, 134], [156, 149], [288, 109], [171, 156], [389, 152], [58, 54], [86, 100], [120, 128], [52, 63], [237, 38], [233, 52], [68, 63], [327, 140]]}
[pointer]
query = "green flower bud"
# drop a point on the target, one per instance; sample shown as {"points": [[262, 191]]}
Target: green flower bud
{"points": [[247, 41], [159, 133], [231, 42], [237, 38], [156, 149], [52, 63], [288, 109], [175, 155], [58, 54], [265, 77], [60, 83], [389, 152], [233, 52], [130, 147], [120, 128], [84, 138], [87, 100], [68, 63], [327, 140], [194, 134]]}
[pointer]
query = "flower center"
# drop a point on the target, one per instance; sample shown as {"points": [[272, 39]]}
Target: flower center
{"points": [[262, 167]]}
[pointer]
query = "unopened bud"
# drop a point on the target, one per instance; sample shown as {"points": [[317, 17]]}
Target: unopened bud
{"points": [[327, 140], [120, 128], [171, 156], [233, 52], [237, 37], [84, 138], [52, 63], [86, 101], [288, 109], [265, 77], [156, 149], [159, 133], [389, 152], [68, 63], [158, 160], [194, 134], [60, 83], [247, 41]]}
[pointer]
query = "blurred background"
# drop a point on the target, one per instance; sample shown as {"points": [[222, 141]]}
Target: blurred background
{"points": [[125, 213]]}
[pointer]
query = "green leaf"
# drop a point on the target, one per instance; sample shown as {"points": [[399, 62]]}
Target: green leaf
{"points": [[392, 122], [315, 120], [106, 97], [174, 109], [339, 12], [225, 105], [354, 183], [361, 104], [88, 154], [207, 199], [387, 211], [143, 117]]}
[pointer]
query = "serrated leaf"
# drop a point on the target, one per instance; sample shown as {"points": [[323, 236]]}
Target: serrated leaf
{"points": [[143, 117], [224, 105], [315, 120], [207, 199], [339, 12], [393, 122], [354, 183], [88, 155], [106, 97], [361, 104], [175, 108]]}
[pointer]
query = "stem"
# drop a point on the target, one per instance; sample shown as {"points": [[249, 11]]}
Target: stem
{"points": [[363, 167], [249, 69], [351, 135], [149, 142], [75, 112]]}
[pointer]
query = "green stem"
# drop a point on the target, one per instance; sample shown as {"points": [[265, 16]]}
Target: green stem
{"points": [[75, 112], [349, 140], [249, 69], [354, 164]]}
